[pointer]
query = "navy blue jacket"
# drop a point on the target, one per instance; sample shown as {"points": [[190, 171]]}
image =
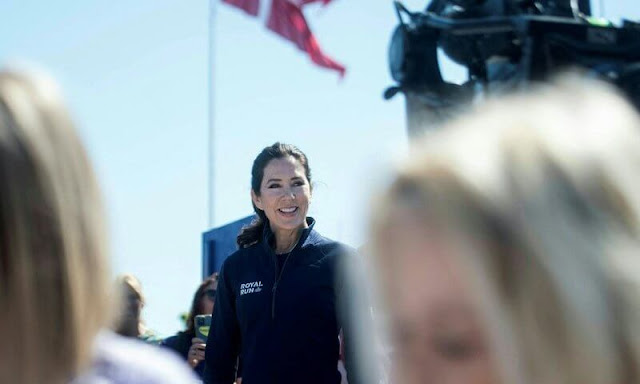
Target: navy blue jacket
{"points": [[285, 332], [181, 343]]}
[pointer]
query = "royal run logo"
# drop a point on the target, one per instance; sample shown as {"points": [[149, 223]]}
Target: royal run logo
{"points": [[253, 287]]}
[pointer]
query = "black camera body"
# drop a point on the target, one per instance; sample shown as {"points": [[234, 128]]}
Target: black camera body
{"points": [[506, 44]]}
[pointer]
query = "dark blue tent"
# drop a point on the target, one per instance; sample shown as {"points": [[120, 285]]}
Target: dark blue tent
{"points": [[219, 243]]}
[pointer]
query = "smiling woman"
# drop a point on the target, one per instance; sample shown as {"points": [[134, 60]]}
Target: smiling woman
{"points": [[284, 198], [278, 299], [280, 175]]}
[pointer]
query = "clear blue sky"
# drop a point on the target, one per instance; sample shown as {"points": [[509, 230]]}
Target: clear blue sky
{"points": [[135, 74]]}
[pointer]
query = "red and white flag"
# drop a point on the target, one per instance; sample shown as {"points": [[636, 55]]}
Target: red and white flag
{"points": [[287, 20], [250, 6]]}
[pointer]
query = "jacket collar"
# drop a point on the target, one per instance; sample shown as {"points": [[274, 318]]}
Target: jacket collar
{"points": [[309, 236]]}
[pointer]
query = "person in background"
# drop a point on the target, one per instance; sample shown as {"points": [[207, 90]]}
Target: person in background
{"points": [[279, 300], [54, 288], [185, 343], [507, 245], [132, 301]]}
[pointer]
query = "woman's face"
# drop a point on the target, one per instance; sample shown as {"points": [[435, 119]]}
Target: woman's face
{"points": [[285, 194], [436, 333]]}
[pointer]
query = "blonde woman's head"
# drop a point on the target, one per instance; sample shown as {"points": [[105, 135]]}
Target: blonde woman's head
{"points": [[131, 300], [507, 246], [53, 288]]}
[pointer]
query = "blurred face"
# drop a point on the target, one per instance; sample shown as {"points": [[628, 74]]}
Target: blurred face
{"points": [[285, 194], [132, 305], [130, 311], [435, 330]]}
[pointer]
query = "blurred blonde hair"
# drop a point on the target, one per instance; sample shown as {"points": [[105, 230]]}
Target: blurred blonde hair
{"points": [[53, 272], [129, 283], [542, 194], [128, 318]]}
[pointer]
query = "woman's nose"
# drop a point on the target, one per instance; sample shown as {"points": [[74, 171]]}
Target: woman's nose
{"points": [[288, 192]]}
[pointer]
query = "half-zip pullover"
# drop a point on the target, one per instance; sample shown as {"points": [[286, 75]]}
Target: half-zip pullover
{"points": [[284, 326]]}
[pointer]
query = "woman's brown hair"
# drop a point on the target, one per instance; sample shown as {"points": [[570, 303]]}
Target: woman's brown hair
{"points": [[196, 304]]}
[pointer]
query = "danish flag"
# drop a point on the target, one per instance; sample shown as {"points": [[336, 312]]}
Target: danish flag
{"points": [[287, 20]]}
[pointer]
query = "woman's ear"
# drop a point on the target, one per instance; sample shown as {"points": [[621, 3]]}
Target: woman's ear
{"points": [[257, 201]]}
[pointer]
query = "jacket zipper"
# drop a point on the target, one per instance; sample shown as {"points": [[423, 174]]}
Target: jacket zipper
{"points": [[276, 281]]}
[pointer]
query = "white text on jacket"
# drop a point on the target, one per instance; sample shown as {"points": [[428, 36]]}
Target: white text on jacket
{"points": [[253, 287]]}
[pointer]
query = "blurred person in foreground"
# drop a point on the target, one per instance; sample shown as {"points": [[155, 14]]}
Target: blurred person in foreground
{"points": [[281, 297], [508, 248], [132, 301], [54, 295], [185, 343]]}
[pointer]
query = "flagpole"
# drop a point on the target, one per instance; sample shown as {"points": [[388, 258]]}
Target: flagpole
{"points": [[211, 110]]}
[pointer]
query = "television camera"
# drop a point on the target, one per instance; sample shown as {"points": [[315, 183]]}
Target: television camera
{"points": [[504, 45]]}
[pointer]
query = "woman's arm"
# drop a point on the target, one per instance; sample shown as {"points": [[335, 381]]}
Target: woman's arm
{"points": [[223, 343]]}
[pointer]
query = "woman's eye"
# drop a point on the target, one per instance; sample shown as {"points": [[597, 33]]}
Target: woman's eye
{"points": [[298, 183], [273, 186]]}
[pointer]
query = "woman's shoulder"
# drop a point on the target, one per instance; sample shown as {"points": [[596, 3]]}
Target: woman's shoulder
{"points": [[243, 256], [180, 342], [327, 244], [329, 250], [122, 360]]}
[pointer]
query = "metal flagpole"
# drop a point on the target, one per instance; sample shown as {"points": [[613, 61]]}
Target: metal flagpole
{"points": [[211, 130]]}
